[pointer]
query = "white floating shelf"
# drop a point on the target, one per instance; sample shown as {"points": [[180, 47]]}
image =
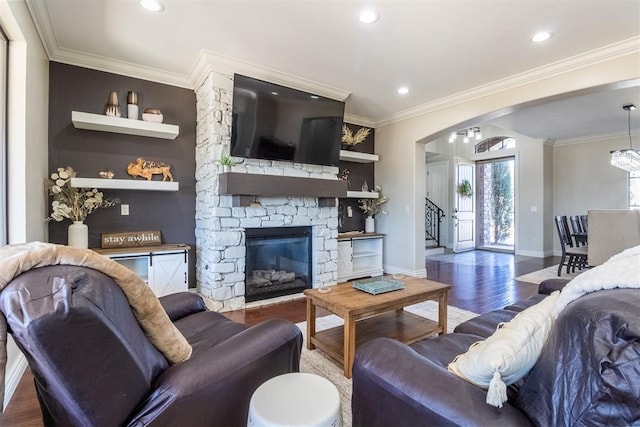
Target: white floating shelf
{"points": [[103, 123], [124, 184], [354, 156], [362, 194]]}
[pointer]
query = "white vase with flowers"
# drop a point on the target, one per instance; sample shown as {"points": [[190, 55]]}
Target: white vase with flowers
{"points": [[75, 204], [371, 207]]}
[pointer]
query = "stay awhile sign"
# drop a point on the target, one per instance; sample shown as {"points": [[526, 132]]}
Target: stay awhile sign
{"points": [[130, 239]]}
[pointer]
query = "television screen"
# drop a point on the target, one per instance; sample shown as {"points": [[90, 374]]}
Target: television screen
{"points": [[275, 122]]}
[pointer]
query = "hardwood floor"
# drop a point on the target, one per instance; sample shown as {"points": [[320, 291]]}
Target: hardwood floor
{"points": [[481, 281]]}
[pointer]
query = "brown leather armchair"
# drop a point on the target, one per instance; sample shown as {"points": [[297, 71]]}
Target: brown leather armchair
{"points": [[94, 366]]}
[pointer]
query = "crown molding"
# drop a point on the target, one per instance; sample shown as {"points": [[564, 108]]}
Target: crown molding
{"points": [[123, 68], [40, 16], [209, 61], [606, 53], [359, 120], [595, 138]]}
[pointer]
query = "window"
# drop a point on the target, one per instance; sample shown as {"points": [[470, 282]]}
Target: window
{"points": [[634, 190], [4, 49], [496, 143]]}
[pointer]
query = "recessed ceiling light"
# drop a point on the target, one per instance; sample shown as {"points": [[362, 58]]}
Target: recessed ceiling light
{"points": [[403, 90], [368, 16], [314, 97], [540, 37], [152, 5], [274, 93]]}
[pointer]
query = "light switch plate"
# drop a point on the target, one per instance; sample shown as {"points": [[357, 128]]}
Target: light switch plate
{"points": [[124, 209]]}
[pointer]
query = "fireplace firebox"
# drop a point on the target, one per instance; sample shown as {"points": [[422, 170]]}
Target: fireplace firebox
{"points": [[278, 261]]}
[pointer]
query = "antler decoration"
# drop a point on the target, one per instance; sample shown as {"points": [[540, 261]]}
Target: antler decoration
{"points": [[348, 138]]}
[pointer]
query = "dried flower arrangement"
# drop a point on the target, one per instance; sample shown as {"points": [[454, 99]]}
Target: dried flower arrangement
{"points": [[372, 207], [71, 202], [350, 139]]}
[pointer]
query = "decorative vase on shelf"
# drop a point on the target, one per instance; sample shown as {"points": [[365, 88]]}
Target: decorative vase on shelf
{"points": [[365, 186], [369, 225], [78, 235]]}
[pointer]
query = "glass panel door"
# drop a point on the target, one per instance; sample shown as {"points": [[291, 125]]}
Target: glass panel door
{"points": [[496, 194]]}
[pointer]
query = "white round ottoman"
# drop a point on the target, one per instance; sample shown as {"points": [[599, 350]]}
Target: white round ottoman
{"points": [[297, 399]]}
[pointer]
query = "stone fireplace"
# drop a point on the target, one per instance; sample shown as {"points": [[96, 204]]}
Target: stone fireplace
{"points": [[221, 223]]}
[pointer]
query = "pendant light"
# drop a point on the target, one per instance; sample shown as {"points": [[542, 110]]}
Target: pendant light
{"points": [[627, 159]]}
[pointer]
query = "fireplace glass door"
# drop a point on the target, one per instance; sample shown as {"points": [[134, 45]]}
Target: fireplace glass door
{"points": [[278, 261]]}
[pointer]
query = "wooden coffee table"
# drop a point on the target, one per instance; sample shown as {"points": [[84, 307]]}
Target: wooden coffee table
{"points": [[373, 316]]}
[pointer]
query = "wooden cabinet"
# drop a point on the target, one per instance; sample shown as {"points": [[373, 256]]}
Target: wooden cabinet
{"points": [[359, 256], [164, 268]]}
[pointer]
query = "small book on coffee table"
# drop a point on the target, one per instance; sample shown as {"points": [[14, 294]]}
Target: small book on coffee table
{"points": [[378, 285]]}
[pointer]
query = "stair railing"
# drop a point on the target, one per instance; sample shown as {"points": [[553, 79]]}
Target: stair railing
{"points": [[432, 220]]}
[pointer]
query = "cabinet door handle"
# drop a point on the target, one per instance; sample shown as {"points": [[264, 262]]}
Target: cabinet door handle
{"points": [[185, 277]]}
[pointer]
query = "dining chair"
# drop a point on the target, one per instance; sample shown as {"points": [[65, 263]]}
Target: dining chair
{"points": [[584, 222], [572, 256], [577, 232]]}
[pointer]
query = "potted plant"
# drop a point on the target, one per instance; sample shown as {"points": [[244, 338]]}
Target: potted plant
{"points": [[371, 207], [464, 188], [226, 163], [74, 203]]}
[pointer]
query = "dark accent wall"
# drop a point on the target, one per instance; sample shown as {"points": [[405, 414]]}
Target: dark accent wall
{"points": [[358, 173], [88, 152]]}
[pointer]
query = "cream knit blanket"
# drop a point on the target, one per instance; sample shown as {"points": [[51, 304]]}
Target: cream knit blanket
{"points": [[17, 259], [620, 271]]}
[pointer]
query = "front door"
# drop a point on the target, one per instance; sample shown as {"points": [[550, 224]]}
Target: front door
{"points": [[464, 214]]}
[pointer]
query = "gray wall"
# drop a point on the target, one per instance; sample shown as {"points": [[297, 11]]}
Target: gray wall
{"points": [[584, 179], [173, 213]]}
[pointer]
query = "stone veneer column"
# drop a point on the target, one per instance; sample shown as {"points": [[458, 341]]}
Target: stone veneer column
{"points": [[220, 239]]}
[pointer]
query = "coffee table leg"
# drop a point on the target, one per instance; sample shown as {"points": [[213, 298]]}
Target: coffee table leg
{"points": [[442, 312], [311, 323], [349, 344]]}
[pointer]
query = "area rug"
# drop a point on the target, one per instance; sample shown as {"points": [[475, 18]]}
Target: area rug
{"points": [[316, 362], [538, 276]]}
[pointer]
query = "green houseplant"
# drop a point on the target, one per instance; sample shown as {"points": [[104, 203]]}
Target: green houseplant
{"points": [[226, 162]]}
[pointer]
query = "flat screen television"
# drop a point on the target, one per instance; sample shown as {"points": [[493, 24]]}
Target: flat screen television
{"points": [[275, 122]]}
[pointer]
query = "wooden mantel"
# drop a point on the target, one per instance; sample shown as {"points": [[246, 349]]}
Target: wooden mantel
{"points": [[243, 186]]}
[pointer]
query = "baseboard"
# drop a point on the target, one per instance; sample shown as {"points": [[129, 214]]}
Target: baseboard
{"points": [[535, 254], [13, 377], [422, 273]]}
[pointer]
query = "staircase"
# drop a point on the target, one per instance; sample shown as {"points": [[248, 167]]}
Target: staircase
{"points": [[433, 218]]}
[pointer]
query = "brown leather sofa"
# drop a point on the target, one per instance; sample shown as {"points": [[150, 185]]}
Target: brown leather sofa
{"points": [[588, 372], [94, 366]]}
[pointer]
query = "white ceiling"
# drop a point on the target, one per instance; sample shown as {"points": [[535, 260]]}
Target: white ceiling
{"points": [[439, 49]]}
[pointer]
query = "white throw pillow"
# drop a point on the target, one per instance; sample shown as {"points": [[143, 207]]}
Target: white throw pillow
{"points": [[508, 354]]}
